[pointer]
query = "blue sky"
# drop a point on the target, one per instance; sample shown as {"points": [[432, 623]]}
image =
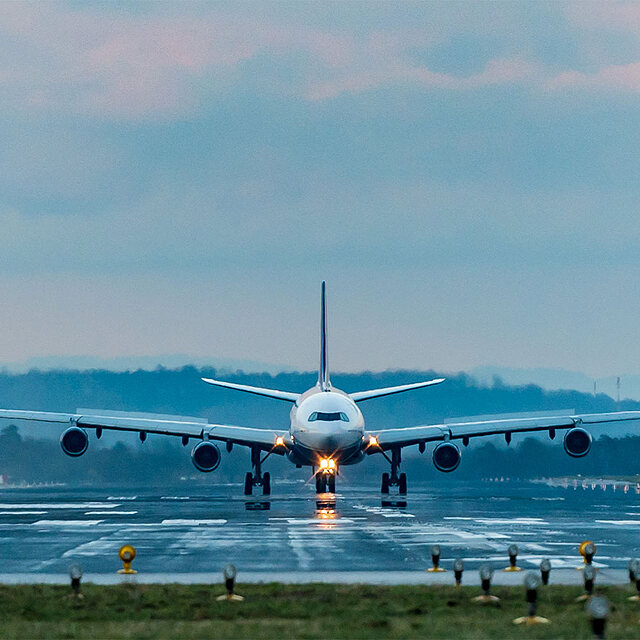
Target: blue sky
{"points": [[179, 177]]}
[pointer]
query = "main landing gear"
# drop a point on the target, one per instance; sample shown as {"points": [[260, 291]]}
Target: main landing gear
{"points": [[394, 479], [257, 478]]}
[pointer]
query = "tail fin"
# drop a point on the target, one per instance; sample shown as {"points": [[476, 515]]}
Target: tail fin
{"points": [[323, 372]]}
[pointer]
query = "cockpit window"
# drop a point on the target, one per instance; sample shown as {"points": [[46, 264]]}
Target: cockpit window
{"points": [[328, 417]]}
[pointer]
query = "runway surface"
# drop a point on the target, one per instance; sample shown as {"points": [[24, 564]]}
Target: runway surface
{"points": [[295, 535]]}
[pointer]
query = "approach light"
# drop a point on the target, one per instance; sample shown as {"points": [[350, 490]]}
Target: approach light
{"points": [[598, 611], [458, 568], [532, 584], [435, 559], [75, 573], [127, 554], [545, 570], [229, 574], [486, 573], [513, 556], [589, 576]]}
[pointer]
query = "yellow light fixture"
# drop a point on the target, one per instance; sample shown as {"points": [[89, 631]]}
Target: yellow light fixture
{"points": [[127, 554]]}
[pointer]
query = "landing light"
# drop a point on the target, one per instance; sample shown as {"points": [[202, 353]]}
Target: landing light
{"points": [[279, 441], [373, 441], [324, 463]]}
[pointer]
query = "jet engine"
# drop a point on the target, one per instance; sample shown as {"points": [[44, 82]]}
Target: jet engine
{"points": [[446, 457], [74, 441], [577, 442], [205, 456]]}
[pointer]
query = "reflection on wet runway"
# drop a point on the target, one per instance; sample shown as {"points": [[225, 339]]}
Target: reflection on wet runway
{"points": [[175, 530]]}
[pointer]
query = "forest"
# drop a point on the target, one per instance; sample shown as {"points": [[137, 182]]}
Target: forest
{"points": [[32, 453]]}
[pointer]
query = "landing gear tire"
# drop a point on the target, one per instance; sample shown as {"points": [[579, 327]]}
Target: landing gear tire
{"points": [[385, 483], [331, 484], [266, 484], [248, 484], [321, 483], [402, 484]]}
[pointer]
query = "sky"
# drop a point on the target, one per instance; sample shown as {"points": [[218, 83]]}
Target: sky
{"points": [[178, 178]]}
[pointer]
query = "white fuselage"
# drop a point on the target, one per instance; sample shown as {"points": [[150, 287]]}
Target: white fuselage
{"points": [[326, 424]]}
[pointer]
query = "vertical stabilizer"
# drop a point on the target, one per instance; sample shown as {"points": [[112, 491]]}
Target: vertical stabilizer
{"points": [[323, 372]]}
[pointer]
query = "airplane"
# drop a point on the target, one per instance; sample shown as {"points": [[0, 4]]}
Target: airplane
{"points": [[327, 430]]}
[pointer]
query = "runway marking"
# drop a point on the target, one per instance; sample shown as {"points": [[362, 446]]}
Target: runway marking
{"points": [[512, 521], [59, 505], [22, 513], [182, 522], [619, 522], [107, 513], [66, 523]]}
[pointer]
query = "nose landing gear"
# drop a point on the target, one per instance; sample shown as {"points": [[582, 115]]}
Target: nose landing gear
{"points": [[257, 478], [325, 482], [394, 479], [326, 475]]}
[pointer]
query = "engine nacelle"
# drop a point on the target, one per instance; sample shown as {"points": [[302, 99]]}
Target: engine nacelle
{"points": [[577, 442], [446, 457], [205, 456], [74, 441]]}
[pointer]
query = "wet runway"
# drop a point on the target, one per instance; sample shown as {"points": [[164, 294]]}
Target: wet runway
{"points": [[180, 532]]}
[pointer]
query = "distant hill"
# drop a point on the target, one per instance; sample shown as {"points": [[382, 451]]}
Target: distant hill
{"points": [[31, 453], [555, 379]]}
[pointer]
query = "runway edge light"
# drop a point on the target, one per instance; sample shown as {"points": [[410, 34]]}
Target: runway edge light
{"points": [[634, 575], [513, 557], [598, 611], [486, 573], [75, 573], [229, 574], [532, 583], [435, 560], [458, 568], [589, 576], [633, 567], [545, 570], [127, 554]]}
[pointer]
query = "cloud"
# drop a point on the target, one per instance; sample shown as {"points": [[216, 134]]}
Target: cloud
{"points": [[623, 77], [167, 62]]}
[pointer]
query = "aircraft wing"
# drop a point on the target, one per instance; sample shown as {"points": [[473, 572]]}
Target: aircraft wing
{"points": [[390, 438], [148, 423]]}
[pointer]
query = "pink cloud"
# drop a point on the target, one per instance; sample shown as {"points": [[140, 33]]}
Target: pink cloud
{"points": [[625, 77], [159, 65]]}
